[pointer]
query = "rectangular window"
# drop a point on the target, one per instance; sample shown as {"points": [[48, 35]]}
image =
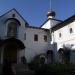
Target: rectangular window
{"points": [[60, 35], [35, 37], [45, 38], [71, 30]]}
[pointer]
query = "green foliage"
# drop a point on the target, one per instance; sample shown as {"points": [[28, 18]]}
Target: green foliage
{"points": [[37, 62], [54, 69], [41, 68]]}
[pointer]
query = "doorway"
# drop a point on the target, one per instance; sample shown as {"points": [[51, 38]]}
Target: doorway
{"points": [[10, 53]]}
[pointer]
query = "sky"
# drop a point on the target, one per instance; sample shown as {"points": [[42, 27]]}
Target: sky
{"points": [[35, 11]]}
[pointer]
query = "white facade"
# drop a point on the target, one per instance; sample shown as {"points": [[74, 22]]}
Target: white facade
{"points": [[56, 36], [62, 34], [34, 48], [66, 36], [67, 39], [26, 35]]}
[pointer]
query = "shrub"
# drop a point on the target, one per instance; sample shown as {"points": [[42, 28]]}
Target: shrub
{"points": [[55, 69]]}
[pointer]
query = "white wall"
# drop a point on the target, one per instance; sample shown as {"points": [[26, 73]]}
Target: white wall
{"points": [[67, 38], [34, 48]]}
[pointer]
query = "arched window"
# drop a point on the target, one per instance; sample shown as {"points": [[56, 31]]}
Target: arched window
{"points": [[12, 29]]}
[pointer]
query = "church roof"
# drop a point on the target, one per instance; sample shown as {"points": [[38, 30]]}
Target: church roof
{"points": [[64, 23], [50, 19]]}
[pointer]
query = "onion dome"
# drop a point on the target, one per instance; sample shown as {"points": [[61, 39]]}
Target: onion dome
{"points": [[51, 14]]}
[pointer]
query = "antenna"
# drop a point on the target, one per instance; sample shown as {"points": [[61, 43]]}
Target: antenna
{"points": [[50, 4]]}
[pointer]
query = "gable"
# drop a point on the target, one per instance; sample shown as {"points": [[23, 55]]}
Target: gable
{"points": [[50, 23], [14, 14]]}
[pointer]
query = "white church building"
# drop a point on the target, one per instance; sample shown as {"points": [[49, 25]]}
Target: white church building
{"points": [[54, 39]]}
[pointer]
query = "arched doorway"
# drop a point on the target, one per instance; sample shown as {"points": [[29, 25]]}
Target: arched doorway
{"points": [[11, 47], [64, 55], [50, 56], [10, 53], [61, 55]]}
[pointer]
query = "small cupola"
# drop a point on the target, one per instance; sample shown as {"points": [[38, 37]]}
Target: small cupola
{"points": [[51, 14]]}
